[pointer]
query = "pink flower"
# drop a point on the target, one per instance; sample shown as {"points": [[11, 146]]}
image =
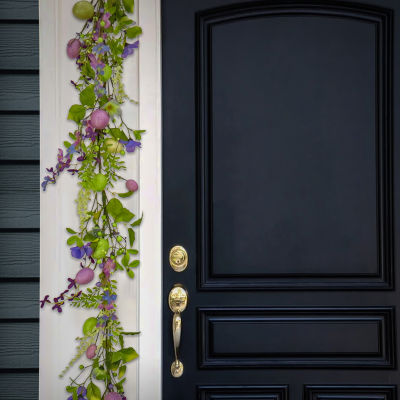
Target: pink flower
{"points": [[106, 19]]}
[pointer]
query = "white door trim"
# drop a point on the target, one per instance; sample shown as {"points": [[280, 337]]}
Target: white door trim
{"points": [[150, 297]]}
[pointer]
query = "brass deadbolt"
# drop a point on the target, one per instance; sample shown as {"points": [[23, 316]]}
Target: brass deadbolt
{"points": [[178, 258]]}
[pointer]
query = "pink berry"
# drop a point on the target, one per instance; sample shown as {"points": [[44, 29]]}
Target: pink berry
{"points": [[131, 185], [91, 351], [84, 276], [99, 119], [113, 396], [73, 48]]}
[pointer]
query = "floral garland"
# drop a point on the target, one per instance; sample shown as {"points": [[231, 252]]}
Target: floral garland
{"points": [[94, 156]]}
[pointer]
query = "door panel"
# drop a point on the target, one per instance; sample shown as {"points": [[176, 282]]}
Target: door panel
{"points": [[291, 101], [279, 160]]}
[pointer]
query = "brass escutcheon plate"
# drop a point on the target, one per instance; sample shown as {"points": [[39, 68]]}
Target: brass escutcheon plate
{"points": [[178, 258], [178, 299], [177, 369]]}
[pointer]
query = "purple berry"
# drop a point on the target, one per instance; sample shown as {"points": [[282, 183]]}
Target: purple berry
{"points": [[91, 351], [131, 185], [99, 119], [73, 48], [84, 276], [113, 396]]}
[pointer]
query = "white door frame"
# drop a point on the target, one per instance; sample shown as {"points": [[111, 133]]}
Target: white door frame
{"points": [[56, 335], [150, 301]]}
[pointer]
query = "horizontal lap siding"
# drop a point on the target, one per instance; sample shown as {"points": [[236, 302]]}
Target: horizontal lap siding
{"points": [[19, 199]]}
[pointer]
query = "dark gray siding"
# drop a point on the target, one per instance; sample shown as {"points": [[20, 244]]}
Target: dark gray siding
{"points": [[19, 199]]}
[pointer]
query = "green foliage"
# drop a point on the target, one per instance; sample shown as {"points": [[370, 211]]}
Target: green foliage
{"points": [[87, 96], [76, 113], [114, 207], [93, 392], [101, 213], [133, 32], [131, 236], [126, 355], [128, 4]]}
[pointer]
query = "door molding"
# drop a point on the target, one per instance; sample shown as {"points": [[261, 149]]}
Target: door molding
{"points": [[150, 293]]}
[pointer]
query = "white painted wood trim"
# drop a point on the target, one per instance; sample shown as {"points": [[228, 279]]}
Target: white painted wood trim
{"points": [[57, 332], [150, 298]]}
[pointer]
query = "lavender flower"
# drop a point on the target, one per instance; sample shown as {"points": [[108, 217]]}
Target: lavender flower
{"points": [[130, 145], [129, 49]]}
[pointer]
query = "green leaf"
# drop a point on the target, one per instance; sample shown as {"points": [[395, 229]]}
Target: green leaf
{"points": [[118, 134], [138, 134], [116, 356], [90, 236], [125, 259], [67, 144], [114, 207], [131, 236], [88, 70], [137, 222], [88, 97], [130, 333], [72, 136], [79, 242], [124, 216], [69, 230], [133, 32], [124, 195], [130, 273], [128, 4], [121, 341], [128, 354], [107, 73], [71, 240], [121, 371], [133, 251], [123, 23], [93, 392], [76, 113], [134, 264]]}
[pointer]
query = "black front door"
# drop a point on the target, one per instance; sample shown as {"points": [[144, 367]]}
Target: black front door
{"points": [[281, 129]]}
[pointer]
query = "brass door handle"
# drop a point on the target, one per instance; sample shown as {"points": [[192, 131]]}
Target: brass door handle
{"points": [[177, 300]]}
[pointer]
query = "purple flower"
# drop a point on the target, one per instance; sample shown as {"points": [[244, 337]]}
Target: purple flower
{"points": [[71, 283], [106, 19], [130, 145], [44, 301], [81, 394], [109, 298], [129, 49], [77, 252], [94, 62], [71, 149], [101, 48], [57, 307]]}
